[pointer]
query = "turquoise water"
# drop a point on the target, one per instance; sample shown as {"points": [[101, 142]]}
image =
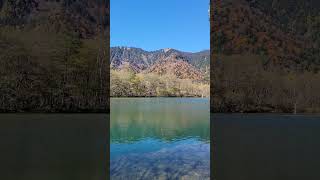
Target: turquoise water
{"points": [[160, 138]]}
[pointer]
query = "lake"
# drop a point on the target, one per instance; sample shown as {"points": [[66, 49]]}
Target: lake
{"points": [[266, 146], [159, 138], [53, 146]]}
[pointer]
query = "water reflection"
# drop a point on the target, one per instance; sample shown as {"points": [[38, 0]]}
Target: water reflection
{"points": [[164, 138], [264, 147], [53, 146]]}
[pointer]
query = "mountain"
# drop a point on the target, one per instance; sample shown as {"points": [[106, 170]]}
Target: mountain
{"points": [[292, 15], [86, 17], [53, 55], [176, 66], [265, 56], [280, 30], [165, 72], [141, 60]]}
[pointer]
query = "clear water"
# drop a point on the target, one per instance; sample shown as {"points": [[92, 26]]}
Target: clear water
{"points": [[266, 146], [53, 146], [160, 138]]}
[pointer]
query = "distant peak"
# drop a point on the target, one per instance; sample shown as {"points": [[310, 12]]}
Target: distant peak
{"points": [[174, 57], [124, 47], [167, 49]]}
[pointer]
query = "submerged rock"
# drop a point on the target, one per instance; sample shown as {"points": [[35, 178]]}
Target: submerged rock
{"points": [[187, 161]]}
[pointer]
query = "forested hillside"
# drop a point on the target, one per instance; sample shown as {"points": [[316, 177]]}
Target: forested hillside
{"points": [[265, 56], [165, 72], [141, 59], [53, 56]]}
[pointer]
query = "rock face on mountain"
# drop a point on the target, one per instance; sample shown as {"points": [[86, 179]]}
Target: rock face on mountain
{"points": [[175, 65], [141, 60]]}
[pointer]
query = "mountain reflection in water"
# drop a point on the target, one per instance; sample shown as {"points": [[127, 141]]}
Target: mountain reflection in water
{"points": [[154, 138], [53, 146], [266, 146]]}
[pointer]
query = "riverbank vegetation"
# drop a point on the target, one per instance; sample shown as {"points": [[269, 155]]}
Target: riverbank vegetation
{"points": [[53, 56], [126, 83], [244, 84]]}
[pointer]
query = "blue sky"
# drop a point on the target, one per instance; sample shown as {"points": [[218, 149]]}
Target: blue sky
{"points": [[157, 24]]}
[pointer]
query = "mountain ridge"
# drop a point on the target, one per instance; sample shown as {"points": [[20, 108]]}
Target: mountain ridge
{"points": [[143, 59]]}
